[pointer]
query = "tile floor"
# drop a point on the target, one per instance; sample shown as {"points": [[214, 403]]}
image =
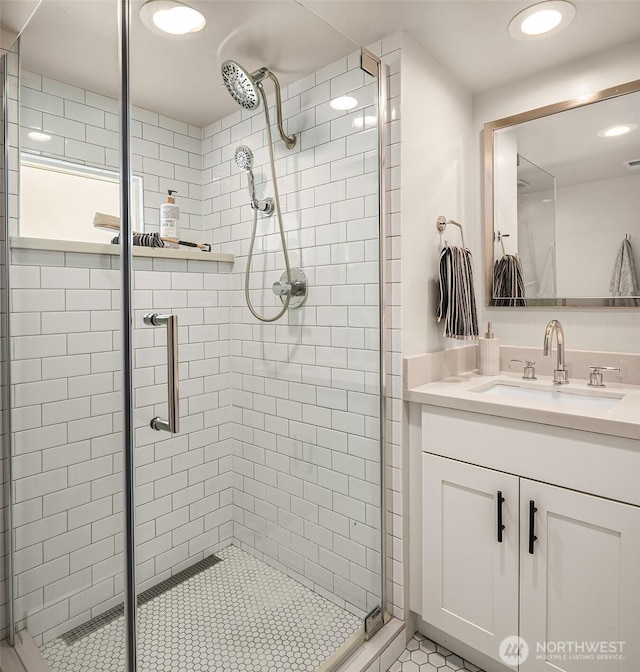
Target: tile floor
{"points": [[240, 614], [423, 655]]}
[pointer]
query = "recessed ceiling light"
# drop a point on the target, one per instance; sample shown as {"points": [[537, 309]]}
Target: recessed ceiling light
{"points": [[169, 17], [541, 20], [618, 129], [343, 103], [38, 137]]}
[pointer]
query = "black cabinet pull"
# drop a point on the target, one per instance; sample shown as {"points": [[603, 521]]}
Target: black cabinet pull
{"points": [[501, 527], [532, 525]]}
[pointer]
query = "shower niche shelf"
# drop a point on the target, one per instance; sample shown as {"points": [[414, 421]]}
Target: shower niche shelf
{"points": [[20, 243]]}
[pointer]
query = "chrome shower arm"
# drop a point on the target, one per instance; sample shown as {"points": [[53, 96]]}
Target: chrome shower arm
{"points": [[289, 141]]}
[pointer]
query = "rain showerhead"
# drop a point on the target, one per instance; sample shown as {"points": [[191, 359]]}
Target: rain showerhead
{"points": [[246, 89], [242, 85], [244, 158]]}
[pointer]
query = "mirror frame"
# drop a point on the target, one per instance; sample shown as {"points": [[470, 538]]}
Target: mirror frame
{"points": [[489, 128]]}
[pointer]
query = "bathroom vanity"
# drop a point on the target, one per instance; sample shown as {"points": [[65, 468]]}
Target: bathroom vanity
{"points": [[525, 520]]}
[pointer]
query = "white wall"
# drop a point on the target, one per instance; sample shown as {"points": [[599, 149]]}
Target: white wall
{"points": [[437, 167], [585, 329]]}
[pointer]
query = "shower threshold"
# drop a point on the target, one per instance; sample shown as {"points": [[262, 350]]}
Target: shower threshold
{"points": [[237, 613]]}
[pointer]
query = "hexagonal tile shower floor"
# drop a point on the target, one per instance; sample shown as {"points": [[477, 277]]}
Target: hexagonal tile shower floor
{"points": [[240, 614]]}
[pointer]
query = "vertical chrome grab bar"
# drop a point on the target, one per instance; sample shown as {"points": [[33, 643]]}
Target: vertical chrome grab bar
{"points": [[173, 423]]}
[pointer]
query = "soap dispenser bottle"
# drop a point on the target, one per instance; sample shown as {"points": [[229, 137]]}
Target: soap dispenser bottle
{"points": [[169, 217], [489, 354]]}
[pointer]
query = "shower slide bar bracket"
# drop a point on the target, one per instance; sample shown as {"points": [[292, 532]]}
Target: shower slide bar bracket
{"points": [[442, 222], [171, 322]]}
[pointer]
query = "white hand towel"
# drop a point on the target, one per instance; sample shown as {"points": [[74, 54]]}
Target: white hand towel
{"points": [[624, 281]]}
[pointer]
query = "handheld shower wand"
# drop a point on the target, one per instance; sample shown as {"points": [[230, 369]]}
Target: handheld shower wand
{"points": [[244, 160]]}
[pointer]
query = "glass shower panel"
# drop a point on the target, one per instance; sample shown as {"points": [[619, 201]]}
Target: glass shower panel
{"points": [[306, 389], [259, 522], [66, 342], [537, 229], [5, 522]]}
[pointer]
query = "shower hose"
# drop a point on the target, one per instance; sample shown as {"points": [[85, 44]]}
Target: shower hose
{"points": [[247, 274]]}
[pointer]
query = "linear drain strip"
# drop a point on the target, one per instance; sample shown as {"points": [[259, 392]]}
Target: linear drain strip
{"points": [[112, 614]]}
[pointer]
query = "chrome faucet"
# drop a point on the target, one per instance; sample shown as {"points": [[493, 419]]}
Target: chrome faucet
{"points": [[560, 372]]}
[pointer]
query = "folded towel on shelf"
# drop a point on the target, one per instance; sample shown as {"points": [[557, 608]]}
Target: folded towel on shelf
{"points": [[624, 281], [142, 240], [508, 282], [457, 301]]}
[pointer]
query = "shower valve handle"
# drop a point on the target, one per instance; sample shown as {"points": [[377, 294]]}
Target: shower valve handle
{"points": [[296, 288]]}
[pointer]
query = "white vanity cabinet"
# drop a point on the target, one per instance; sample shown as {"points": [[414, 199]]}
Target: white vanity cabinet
{"points": [[470, 567], [565, 569], [579, 578]]}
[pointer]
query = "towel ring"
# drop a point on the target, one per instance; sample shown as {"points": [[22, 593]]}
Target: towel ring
{"points": [[442, 223]]}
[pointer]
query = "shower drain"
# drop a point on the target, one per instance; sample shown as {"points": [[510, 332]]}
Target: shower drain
{"points": [[112, 614]]}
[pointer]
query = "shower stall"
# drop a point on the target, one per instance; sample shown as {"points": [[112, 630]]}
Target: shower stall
{"points": [[193, 441]]}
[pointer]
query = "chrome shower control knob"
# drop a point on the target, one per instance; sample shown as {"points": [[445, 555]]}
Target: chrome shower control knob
{"points": [[298, 289], [281, 288]]}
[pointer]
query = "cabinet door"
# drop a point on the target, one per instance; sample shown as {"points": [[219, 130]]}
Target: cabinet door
{"points": [[581, 585], [470, 579]]}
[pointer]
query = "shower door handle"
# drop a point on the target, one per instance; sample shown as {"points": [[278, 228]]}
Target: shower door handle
{"points": [[171, 321]]}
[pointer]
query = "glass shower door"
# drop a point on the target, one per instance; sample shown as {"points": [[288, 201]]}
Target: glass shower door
{"points": [[66, 353]]}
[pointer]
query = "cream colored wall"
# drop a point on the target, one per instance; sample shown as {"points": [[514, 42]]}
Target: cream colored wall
{"points": [[616, 330], [437, 175]]}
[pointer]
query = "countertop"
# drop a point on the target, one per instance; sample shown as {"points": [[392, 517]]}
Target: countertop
{"points": [[460, 392]]}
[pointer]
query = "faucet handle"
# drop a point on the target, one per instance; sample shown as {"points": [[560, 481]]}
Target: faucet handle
{"points": [[529, 372], [595, 374]]}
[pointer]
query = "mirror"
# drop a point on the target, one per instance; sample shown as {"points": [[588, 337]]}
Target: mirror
{"points": [[562, 203]]}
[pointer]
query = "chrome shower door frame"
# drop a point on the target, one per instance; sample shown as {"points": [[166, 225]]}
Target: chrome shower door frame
{"points": [[126, 270]]}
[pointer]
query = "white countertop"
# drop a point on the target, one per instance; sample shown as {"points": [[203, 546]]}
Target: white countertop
{"points": [[460, 392]]}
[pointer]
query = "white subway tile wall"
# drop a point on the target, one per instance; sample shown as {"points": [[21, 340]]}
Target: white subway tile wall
{"points": [[279, 447], [83, 126], [306, 389], [67, 424]]}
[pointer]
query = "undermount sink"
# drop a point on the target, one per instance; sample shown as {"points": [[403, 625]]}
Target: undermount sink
{"points": [[557, 397]]}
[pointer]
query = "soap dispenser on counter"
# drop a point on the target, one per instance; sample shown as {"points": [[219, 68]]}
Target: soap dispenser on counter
{"points": [[489, 354], [170, 218]]}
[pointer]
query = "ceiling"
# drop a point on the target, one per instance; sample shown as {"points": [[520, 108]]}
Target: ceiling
{"points": [[75, 41], [567, 145]]}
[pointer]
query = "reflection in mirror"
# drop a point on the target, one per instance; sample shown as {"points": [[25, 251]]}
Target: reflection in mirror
{"points": [[562, 203]]}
